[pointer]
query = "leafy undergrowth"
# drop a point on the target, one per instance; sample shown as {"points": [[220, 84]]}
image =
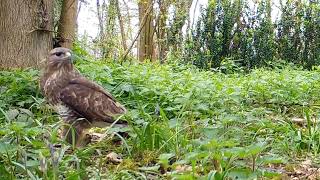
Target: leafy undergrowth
{"points": [[184, 124]]}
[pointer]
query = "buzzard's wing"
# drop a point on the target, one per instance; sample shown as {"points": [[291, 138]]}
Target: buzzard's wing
{"points": [[91, 100]]}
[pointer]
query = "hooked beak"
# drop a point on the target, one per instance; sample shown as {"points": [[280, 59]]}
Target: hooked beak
{"points": [[69, 56]]}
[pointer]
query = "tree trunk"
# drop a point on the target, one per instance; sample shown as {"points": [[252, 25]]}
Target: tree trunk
{"points": [[101, 37], [123, 35], [67, 23], [162, 45], [111, 36], [181, 14], [25, 32], [145, 49]]}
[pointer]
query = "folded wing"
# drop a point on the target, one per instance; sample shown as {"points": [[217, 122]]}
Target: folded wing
{"points": [[91, 101]]}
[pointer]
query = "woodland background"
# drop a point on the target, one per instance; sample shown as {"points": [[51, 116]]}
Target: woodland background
{"points": [[240, 32], [230, 94]]}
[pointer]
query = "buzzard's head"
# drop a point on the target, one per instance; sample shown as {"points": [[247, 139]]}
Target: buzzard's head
{"points": [[60, 55]]}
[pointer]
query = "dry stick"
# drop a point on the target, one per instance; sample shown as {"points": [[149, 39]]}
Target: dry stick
{"points": [[143, 23]]}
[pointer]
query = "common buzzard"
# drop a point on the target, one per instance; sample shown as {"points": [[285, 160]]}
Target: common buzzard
{"points": [[80, 102]]}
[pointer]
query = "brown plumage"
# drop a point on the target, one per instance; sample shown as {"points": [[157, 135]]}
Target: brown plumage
{"points": [[80, 102]]}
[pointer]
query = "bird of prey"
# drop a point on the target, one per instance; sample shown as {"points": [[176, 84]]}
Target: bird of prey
{"points": [[80, 102]]}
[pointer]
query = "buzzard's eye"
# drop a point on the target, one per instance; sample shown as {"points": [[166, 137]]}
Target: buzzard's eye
{"points": [[58, 54]]}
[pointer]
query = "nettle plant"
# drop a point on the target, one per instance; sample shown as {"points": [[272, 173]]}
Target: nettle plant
{"points": [[184, 123]]}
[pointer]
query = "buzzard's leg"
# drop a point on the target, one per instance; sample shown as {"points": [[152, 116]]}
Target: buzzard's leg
{"points": [[75, 132]]}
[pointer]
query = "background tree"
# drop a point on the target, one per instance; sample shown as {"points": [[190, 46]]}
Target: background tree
{"points": [[26, 28], [179, 17], [311, 53], [145, 49], [67, 23], [254, 36], [264, 37], [107, 39], [161, 29], [121, 24]]}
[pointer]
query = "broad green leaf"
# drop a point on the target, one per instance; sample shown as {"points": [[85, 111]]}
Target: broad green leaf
{"points": [[7, 148], [242, 174]]}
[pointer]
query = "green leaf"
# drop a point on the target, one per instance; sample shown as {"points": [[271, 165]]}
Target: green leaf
{"points": [[214, 175], [255, 148], [4, 174], [32, 163], [164, 158], [245, 174], [7, 148], [26, 111], [12, 114], [265, 160]]}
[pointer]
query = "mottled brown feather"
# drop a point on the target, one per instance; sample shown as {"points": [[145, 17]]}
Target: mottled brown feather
{"points": [[91, 101], [79, 101]]}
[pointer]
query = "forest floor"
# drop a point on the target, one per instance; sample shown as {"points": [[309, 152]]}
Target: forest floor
{"points": [[184, 123]]}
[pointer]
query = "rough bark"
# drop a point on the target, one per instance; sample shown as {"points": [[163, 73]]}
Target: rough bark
{"points": [[25, 32], [67, 23], [141, 26], [145, 46], [162, 45]]}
